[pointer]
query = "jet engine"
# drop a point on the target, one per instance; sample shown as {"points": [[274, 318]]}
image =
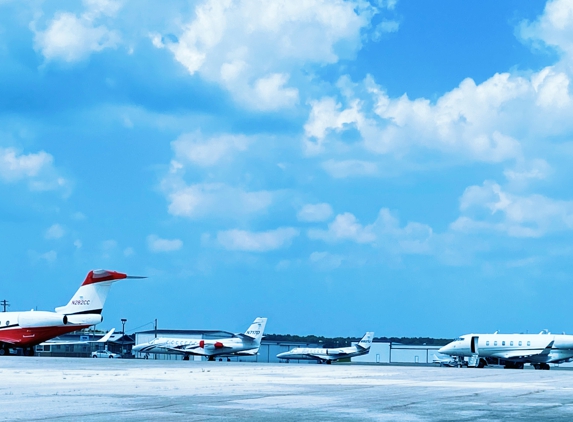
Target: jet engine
{"points": [[85, 319], [35, 319]]}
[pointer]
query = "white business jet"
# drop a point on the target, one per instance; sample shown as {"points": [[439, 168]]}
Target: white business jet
{"points": [[514, 350], [330, 355], [237, 344]]}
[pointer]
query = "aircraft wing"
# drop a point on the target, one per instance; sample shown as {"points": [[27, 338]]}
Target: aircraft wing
{"points": [[520, 355], [64, 343]]}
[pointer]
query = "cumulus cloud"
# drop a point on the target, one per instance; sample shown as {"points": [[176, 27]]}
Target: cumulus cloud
{"points": [[385, 233], [315, 212], [490, 208], [326, 260], [55, 231], [252, 48], [195, 149], [480, 122], [71, 38], [157, 244], [36, 168], [242, 240], [214, 200], [349, 168], [554, 28]]}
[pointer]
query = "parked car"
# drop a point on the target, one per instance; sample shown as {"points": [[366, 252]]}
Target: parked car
{"points": [[105, 354]]}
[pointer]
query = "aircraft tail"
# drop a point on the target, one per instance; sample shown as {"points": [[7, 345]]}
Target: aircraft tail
{"points": [[256, 330], [366, 341], [91, 296]]}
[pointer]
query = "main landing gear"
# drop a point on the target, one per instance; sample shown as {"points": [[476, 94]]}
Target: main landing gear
{"points": [[513, 365], [542, 366], [186, 357]]}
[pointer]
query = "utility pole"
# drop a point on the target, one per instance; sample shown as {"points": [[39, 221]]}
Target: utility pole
{"points": [[5, 304], [155, 327]]}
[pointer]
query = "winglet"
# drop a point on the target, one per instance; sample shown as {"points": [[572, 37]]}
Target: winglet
{"points": [[105, 338]]}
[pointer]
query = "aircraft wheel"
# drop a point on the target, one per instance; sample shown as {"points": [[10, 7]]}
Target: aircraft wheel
{"points": [[328, 362], [111, 357], [3, 352], [545, 366], [482, 363], [94, 356], [186, 357], [519, 365], [536, 366]]}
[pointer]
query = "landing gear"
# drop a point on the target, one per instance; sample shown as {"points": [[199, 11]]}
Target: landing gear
{"points": [[186, 357], [513, 365], [482, 363], [28, 351], [3, 351], [542, 366], [328, 362], [211, 359], [228, 359]]}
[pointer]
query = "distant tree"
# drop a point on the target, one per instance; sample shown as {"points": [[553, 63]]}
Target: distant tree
{"points": [[334, 342]]}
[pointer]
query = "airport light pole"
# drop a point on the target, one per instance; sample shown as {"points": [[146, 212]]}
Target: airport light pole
{"points": [[123, 321]]}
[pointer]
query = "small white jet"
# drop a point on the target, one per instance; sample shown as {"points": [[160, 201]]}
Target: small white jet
{"points": [[27, 329], [330, 355], [513, 350], [237, 344]]}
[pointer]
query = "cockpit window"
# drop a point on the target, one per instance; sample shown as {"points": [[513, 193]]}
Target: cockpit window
{"points": [[460, 339]]}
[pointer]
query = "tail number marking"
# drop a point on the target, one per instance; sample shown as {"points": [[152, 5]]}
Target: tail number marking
{"points": [[81, 302]]}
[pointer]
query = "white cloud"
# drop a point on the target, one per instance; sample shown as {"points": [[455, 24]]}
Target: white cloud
{"points": [[385, 233], [72, 38], [55, 231], [478, 122], [50, 256], [344, 227], [315, 212], [242, 240], [214, 200], [194, 149], [554, 27], [349, 168], [156, 244], [78, 243], [37, 169], [128, 252], [490, 208], [14, 166], [326, 260], [253, 47]]}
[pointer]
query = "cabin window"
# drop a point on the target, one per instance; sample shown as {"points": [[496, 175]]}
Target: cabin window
{"points": [[495, 343], [503, 343], [511, 343], [529, 343], [519, 343], [7, 323], [487, 343]]}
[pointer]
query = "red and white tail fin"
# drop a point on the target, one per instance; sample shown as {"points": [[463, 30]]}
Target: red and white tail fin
{"points": [[91, 296]]}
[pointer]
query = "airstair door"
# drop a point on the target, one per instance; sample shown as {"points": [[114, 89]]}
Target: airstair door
{"points": [[474, 345]]}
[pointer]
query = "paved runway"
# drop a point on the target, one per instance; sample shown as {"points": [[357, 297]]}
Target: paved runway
{"points": [[136, 390]]}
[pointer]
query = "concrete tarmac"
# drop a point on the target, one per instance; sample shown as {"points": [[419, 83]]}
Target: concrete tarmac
{"points": [[65, 389]]}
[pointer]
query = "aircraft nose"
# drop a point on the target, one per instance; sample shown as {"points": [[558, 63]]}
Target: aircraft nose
{"points": [[445, 350]]}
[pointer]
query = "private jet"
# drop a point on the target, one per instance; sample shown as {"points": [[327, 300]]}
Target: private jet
{"points": [[513, 350], [330, 355], [247, 343], [24, 330]]}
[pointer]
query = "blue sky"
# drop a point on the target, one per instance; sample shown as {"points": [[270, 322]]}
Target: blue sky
{"points": [[335, 166]]}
